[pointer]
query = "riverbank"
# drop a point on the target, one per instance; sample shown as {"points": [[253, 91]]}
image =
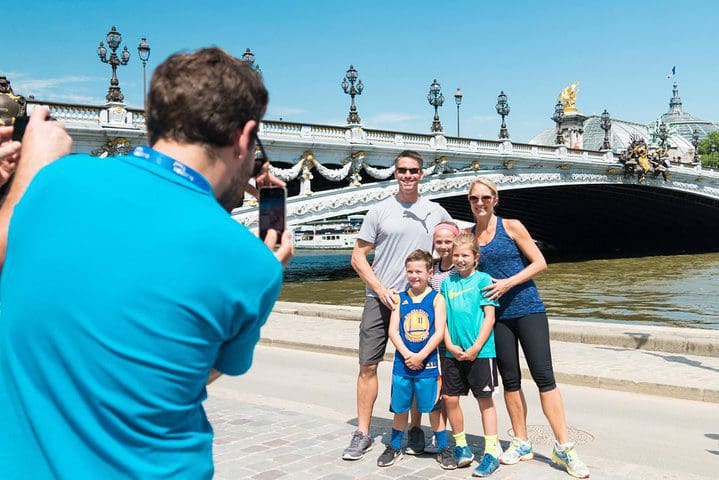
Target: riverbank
{"points": [[675, 291], [666, 361]]}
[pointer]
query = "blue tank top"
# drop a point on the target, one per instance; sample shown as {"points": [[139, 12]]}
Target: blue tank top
{"points": [[501, 258], [416, 327]]}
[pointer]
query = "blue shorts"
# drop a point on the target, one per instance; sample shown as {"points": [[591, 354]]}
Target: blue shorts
{"points": [[404, 389]]}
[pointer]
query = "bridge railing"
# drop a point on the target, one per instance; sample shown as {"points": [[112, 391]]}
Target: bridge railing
{"points": [[134, 118]]}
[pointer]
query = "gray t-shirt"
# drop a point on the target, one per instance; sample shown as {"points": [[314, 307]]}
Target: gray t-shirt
{"points": [[396, 229]]}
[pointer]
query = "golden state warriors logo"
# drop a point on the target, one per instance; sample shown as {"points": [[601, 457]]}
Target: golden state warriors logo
{"points": [[416, 326]]}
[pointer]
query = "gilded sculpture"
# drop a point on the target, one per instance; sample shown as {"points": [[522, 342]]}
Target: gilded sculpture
{"points": [[568, 97]]}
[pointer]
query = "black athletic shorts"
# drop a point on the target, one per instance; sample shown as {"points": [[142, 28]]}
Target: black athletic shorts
{"points": [[479, 375]]}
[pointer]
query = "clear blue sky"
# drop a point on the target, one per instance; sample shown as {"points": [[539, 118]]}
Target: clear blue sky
{"points": [[619, 51]]}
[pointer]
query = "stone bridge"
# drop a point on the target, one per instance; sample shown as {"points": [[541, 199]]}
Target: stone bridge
{"points": [[571, 200]]}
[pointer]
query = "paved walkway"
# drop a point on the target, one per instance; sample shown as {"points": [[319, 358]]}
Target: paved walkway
{"points": [[276, 435], [639, 359], [265, 442]]}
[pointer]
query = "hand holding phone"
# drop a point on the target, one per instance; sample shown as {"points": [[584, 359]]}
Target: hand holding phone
{"points": [[19, 126], [272, 210]]}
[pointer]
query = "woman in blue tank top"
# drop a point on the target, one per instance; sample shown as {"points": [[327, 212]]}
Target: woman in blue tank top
{"points": [[509, 255]]}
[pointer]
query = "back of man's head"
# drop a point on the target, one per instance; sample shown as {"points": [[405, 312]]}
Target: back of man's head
{"points": [[203, 97]]}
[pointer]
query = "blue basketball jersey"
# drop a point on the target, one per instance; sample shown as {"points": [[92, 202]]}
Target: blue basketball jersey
{"points": [[416, 327]]}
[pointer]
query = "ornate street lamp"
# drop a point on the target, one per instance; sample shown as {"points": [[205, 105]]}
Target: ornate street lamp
{"points": [[695, 142], [348, 86], [436, 99], [558, 117], [606, 124], [249, 57], [663, 134], [503, 110], [143, 51], [458, 101], [114, 38]]}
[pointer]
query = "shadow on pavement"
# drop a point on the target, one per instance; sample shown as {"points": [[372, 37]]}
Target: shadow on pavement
{"points": [[713, 436], [382, 427], [669, 358]]}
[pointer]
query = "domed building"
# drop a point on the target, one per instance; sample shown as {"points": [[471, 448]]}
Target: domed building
{"points": [[684, 123], [586, 132]]}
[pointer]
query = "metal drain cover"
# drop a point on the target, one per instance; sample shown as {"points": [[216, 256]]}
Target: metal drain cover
{"points": [[543, 435]]}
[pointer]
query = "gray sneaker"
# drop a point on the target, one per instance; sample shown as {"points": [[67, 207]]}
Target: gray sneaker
{"points": [[359, 445], [415, 444]]}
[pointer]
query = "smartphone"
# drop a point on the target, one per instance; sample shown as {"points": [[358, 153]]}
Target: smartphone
{"points": [[272, 210], [19, 126]]}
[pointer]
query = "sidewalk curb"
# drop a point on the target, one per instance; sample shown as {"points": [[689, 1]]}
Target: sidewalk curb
{"points": [[593, 381], [685, 340]]}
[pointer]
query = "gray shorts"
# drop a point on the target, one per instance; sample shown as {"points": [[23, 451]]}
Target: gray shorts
{"points": [[374, 329]]}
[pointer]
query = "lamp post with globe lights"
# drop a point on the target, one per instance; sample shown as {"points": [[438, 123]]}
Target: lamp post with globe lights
{"points": [[436, 99], [114, 38], [349, 87]]}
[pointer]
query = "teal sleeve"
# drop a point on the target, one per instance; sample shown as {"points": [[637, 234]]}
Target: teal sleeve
{"points": [[485, 281]]}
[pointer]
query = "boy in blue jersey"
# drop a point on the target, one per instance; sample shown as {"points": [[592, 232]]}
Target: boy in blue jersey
{"points": [[416, 328]]}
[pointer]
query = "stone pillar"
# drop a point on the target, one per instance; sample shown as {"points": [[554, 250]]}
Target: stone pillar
{"points": [[573, 130]]}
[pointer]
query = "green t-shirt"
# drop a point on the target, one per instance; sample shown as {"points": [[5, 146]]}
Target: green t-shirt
{"points": [[465, 299]]}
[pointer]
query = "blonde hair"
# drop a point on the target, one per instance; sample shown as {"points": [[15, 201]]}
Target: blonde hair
{"points": [[487, 183], [467, 239]]}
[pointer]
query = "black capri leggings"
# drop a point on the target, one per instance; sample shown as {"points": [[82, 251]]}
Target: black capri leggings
{"points": [[532, 332]]}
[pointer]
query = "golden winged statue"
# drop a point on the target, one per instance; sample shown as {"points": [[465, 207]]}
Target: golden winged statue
{"points": [[568, 97]]}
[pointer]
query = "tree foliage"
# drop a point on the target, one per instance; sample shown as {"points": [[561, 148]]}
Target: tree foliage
{"points": [[709, 150]]}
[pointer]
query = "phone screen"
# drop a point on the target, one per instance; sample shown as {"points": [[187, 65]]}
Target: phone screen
{"points": [[272, 210], [19, 128]]}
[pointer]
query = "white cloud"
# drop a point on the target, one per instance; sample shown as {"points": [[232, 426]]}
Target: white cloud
{"points": [[283, 111], [392, 117], [72, 98], [70, 88]]}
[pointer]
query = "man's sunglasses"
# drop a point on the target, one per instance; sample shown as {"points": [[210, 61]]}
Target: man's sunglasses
{"points": [[413, 171], [260, 158]]}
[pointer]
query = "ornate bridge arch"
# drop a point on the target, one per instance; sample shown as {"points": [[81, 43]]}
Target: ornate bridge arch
{"points": [[353, 199]]}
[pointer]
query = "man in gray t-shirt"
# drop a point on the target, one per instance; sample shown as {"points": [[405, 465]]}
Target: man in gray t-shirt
{"points": [[393, 228]]}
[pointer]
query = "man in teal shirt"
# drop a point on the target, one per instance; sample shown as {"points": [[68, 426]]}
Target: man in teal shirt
{"points": [[126, 286]]}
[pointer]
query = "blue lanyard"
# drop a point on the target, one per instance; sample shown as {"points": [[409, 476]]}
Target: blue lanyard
{"points": [[172, 165]]}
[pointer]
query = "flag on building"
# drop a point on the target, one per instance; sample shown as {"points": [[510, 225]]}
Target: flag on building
{"points": [[673, 72]]}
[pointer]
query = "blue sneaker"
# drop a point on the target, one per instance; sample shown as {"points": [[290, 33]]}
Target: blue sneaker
{"points": [[487, 467], [463, 455]]}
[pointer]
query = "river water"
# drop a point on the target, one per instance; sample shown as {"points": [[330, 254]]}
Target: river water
{"points": [[677, 290]]}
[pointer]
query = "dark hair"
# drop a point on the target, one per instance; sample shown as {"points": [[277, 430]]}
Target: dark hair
{"points": [[420, 255], [203, 97], [411, 154]]}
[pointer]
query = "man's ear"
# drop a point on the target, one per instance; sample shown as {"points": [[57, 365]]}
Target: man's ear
{"points": [[246, 138]]}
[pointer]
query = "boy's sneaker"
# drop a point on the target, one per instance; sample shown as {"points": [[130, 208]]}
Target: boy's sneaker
{"points": [[568, 458], [446, 459], [359, 445], [518, 450], [487, 466], [462, 455], [415, 443], [432, 447], [389, 456]]}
